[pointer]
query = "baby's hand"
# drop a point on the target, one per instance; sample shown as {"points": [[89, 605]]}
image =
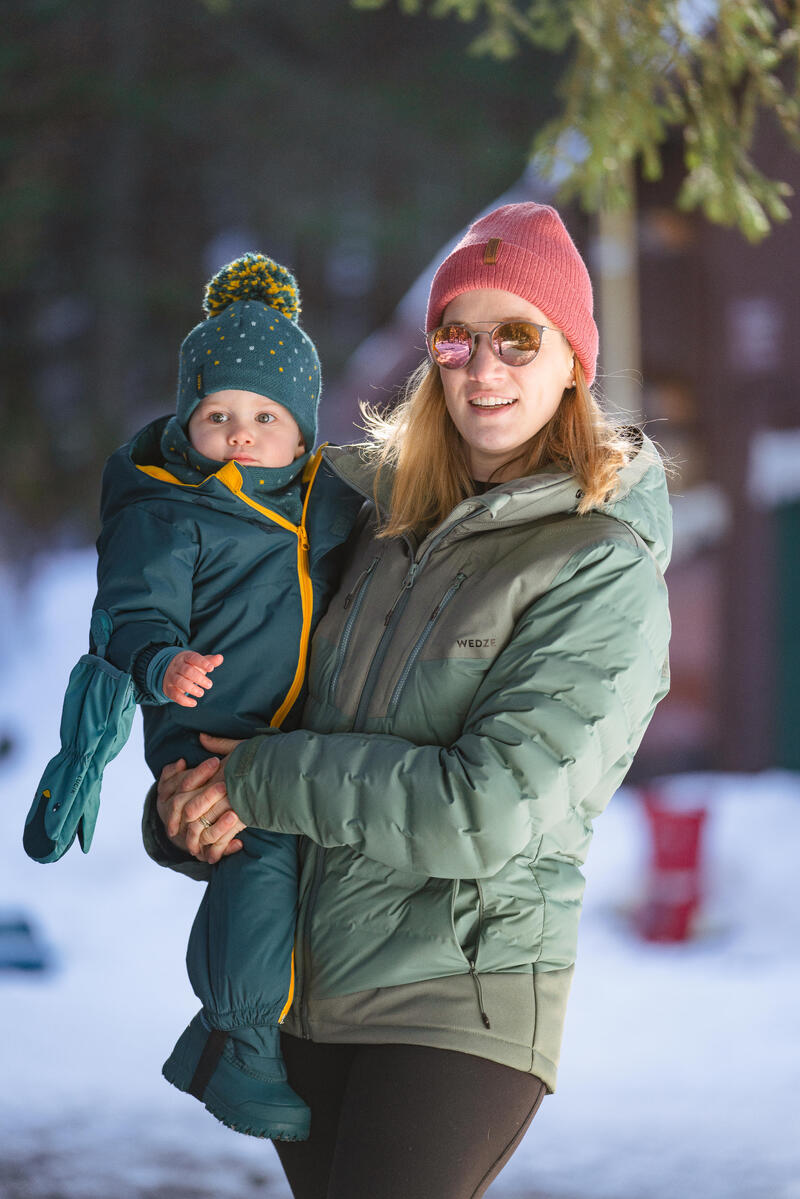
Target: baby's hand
{"points": [[186, 676]]}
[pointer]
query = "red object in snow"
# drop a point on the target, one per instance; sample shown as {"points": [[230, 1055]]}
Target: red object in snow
{"points": [[674, 884]]}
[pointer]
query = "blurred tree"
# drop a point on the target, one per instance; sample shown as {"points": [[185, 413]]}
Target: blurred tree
{"points": [[144, 144], [634, 72]]}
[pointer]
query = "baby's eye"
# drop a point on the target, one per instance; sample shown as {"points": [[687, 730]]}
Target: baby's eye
{"points": [[266, 418], [217, 418]]}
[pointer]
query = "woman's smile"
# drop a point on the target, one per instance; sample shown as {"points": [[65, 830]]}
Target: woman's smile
{"points": [[489, 403]]}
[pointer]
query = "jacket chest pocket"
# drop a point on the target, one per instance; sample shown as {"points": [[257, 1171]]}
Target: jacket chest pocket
{"points": [[353, 603], [421, 640]]}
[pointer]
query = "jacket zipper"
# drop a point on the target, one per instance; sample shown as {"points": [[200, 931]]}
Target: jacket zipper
{"points": [[395, 611], [380, 653], [420, 642], [472, 970], [307, 601], [356, 597], [392, 617]]}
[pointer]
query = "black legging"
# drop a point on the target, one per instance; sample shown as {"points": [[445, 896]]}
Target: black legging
{"points": [[403, 1121]]}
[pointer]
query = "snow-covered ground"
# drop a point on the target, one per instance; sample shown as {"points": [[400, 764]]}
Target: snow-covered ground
{"points": [[681, 1065]]}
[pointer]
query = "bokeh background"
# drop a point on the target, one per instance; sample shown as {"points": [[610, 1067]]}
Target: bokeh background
{"points": [[144, 145]]}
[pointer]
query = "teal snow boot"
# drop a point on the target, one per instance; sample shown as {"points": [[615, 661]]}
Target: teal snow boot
{"points": [[241, 1079]]}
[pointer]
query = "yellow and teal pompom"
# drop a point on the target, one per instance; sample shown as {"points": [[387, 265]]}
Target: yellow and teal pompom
{"points": [[253, 277]]}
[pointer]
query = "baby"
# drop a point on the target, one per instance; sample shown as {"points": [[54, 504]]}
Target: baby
{"points": [[219, 550]]}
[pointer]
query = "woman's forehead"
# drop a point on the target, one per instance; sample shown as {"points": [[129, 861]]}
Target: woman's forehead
{"points": [[492, 305]]}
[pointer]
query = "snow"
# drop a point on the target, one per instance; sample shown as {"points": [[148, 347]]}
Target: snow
{"points": [[680, 1066]]}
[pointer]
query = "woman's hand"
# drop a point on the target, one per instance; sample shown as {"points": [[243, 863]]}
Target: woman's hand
{"points": [[194, 806]]}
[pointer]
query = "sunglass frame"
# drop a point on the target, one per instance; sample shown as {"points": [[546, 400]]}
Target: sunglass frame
{"points": [[476, 333]]}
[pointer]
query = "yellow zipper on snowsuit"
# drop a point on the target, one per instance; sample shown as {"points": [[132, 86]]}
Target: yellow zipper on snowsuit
{"points": [[230, 476]]}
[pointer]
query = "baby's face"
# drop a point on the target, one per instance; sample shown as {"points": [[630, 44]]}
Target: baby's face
{"points": [[241, 426]]}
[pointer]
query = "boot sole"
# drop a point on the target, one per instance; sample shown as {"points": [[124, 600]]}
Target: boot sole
{"points": [[253, 1117]]}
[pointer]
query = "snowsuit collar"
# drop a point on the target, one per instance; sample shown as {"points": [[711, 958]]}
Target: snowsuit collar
{"points": [[164, 445]]}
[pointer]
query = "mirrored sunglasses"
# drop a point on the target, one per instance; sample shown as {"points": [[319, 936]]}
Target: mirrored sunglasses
{"points": [[516, 343]]}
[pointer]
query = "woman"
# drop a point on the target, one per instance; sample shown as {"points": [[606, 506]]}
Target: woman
{"points": [[477, 691]]}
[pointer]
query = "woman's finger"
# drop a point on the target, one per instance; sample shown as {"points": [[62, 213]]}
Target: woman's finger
{"points": [[204, 799], [169, 781], [199, 775], [207, 839], [174, 812], [175, 789], [225, 830], [218, 745], [173, 768]]}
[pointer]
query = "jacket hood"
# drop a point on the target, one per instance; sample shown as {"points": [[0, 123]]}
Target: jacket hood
{"points": [[641, 501]]}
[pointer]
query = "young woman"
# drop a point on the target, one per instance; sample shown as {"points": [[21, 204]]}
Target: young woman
{"points": [[477, 690]]}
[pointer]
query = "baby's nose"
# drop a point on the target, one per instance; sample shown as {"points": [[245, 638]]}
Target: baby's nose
{"points": [[240, 434]]}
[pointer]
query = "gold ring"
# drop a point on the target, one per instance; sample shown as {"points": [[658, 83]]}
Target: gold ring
{"points": [[205, 823]]}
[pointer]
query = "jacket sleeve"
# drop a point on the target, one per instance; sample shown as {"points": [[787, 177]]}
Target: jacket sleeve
{"points": [[559, 713], [145, 572]]}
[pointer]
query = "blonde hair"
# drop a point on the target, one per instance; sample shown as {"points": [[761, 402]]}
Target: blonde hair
{"points": [[419, 441]]}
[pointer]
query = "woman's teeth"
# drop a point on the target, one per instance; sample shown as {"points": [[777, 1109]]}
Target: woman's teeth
{"points": [[490, 401]]}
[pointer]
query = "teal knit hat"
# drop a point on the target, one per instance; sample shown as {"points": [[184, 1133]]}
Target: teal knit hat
{"points": [[251, 341]]}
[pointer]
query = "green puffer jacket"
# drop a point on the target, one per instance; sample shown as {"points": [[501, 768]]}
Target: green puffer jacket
{"points": [[474, 702]]}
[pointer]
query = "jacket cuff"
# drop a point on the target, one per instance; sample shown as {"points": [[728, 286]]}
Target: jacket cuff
{"points": [[148, 670], [238, 766]]}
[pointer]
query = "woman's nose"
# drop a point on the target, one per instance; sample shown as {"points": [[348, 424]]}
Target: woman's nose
{"points": [[484, 361]]}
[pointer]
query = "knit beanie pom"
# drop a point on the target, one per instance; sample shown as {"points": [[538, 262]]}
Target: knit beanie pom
{"points": [[253, 277]]}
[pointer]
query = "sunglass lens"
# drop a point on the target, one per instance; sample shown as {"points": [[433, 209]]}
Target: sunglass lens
{"points": [[451, 345], [517, 342]]}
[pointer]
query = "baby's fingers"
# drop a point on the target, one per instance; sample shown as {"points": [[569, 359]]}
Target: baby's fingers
{"points": [[193, 680], [202, 662]]}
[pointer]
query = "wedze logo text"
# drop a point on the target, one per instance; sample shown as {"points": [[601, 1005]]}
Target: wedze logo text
{"points": [[475, 642]]}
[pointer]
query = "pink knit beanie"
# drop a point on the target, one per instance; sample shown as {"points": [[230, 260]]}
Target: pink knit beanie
{"points": [[525, 249]]}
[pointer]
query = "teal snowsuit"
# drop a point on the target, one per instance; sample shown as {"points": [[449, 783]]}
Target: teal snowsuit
{"points": [[212, 567]]}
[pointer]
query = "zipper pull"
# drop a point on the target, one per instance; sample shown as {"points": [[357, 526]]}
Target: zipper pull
{"points": [[407, 584], [454, 586], [361, 579], [479, 993], [408, 581], [303, 537]]}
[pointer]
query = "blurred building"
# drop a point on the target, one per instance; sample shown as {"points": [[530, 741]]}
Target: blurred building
{"points": [[720, 372]]}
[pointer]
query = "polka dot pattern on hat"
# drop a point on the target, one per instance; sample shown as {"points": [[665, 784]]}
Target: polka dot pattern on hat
{"points": [[251, 341]]}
